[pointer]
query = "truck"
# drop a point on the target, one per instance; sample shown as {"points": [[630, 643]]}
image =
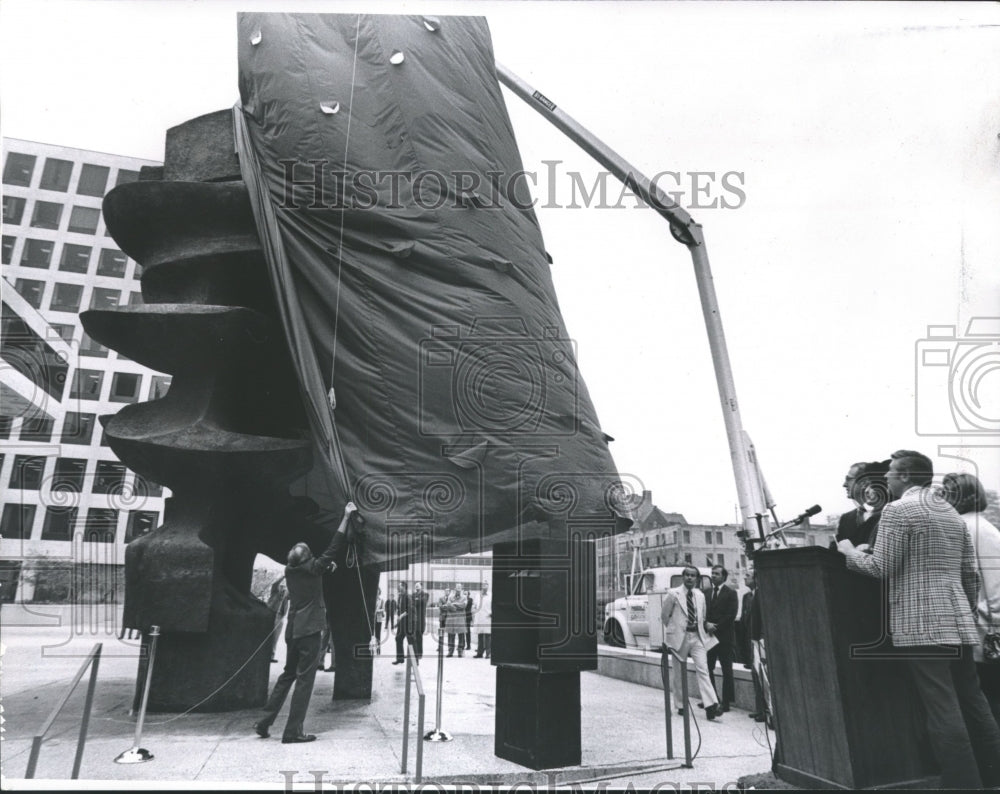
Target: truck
{"points": [[629, 621]]}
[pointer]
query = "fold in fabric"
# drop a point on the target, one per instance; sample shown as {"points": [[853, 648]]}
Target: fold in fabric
{"points": [[412, 278]]}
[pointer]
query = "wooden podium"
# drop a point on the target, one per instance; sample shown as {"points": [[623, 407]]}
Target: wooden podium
{"points": [[847, 715]]}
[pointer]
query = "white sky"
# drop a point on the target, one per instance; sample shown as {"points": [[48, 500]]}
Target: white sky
{"points": [[868, 141]]}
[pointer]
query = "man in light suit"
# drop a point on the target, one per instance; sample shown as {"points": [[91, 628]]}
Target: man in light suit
{"points": [[923, 548], [683, 617]]}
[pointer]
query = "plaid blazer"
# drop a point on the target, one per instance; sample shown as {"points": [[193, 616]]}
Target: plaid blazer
{"points": [[924, 550]]}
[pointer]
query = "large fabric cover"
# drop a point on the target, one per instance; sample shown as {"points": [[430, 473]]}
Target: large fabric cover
{"points": [[417, 285]]}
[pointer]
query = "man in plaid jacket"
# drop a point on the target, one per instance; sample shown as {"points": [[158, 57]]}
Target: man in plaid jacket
{"points": [[923, 548]]}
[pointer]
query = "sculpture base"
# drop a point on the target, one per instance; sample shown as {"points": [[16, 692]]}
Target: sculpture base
{"points": [[224, 669], [537, 718]]}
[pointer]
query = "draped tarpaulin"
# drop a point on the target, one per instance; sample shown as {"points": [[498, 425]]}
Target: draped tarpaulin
{"points": [[412, 277]]}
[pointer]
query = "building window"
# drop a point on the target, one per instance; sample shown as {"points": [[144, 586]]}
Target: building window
{"points": [[46, 215], [687, 537], [30, 290], [140, 522], [84, 220], [13, 209], [69, 474], [708, 538], [37, 428], [65, 331], [5, 425], [125, 176], [112, 263], [75, 258], [718, 538], [673, 537], [109, 477], [687, 558], [56, 174], [78, 428], [93, 180], [91, 347], [66, 298], [135, 299], [721, 560], [103, 298], [125, 387], [8, 248], [812, 540], [87, 384], [37, 253], [18, 168], [58, 523], [100, 525], [17, 520], [27, 472], [708, 559]]}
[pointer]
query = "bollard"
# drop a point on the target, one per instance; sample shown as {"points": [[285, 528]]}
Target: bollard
{"points": [[136, 754], [438, 735]]}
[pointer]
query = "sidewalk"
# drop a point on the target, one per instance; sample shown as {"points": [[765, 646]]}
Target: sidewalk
{"points": [[623, 731]]}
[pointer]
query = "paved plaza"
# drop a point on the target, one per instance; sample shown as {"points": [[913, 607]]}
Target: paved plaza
{"points": [[623, 729]]}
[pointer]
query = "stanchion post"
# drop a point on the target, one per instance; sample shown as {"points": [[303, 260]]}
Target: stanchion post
{"points": [[136, 754], [688, 764], [438, 735], [406, 710], [665, 678]]}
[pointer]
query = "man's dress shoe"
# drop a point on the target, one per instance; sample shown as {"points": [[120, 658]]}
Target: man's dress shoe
{"points": [[302, 738]]}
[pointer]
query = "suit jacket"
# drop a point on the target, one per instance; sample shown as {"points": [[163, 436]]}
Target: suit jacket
{"points": [[722, 612], [923, 548], [852, 528], [403, 622], [306, 610], [418, 603], [674, 616]]}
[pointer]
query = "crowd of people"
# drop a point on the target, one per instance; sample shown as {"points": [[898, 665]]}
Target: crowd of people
{"points": [[940, 555]]}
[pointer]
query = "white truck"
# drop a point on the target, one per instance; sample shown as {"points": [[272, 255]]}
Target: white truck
{"points": [[630, 621]]}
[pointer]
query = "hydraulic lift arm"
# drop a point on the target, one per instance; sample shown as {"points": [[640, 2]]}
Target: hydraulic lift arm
{"points": [[753, 504]]}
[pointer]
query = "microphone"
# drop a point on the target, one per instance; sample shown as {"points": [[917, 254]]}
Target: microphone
{"points": [[811, 511]]}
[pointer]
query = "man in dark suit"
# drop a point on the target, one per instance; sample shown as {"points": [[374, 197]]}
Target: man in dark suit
{"points": [[306, 622], [402, 622], [865, 485], [924, 549], [720, 621], [418, 624]]}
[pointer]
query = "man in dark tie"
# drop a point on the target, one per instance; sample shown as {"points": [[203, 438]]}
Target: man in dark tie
{"points": [[683, 618], [721, 619]]}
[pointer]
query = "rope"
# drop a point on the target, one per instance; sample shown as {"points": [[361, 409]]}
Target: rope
{"points": [[343, 206]]}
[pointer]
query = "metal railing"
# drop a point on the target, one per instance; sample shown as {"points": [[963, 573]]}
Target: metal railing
{"points": [[413, 671], [93, 661], [665, 661]]}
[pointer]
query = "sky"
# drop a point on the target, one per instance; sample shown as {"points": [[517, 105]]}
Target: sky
{"points": [[852, 202]]}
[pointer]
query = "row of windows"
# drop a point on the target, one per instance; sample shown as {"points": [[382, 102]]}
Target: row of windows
{"points": [[60, 523], [661, 538], [78, 428], [57, 174], [70, 474], [49, 214], [73, 258], [67, 297]]}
